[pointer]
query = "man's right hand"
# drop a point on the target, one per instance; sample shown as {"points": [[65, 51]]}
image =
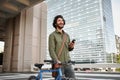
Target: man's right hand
{"points": [[58, 61]]}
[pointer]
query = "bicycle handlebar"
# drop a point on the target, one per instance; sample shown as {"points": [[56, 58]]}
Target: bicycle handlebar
{"points": [[52, 61], [73, 62]]}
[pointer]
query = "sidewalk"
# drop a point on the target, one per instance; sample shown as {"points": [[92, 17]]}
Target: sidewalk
{"points": [[21, 76]]}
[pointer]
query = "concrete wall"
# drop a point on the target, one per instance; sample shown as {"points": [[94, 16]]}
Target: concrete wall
{"points": [[25, 43], [8, 46]]}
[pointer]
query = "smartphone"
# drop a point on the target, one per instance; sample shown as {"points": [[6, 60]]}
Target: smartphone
{"points": [[73, 40]]}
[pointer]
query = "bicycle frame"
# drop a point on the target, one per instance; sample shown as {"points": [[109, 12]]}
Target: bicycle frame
{"points": [[59, 76], [58, 70]]}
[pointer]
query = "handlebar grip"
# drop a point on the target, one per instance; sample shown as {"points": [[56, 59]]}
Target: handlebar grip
{"points": [[73, 62], [51, 61]]}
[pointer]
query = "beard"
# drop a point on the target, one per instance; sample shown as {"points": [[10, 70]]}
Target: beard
{"points": [[59, 26]]}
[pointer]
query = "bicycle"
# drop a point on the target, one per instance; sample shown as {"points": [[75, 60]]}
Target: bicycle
{"points": [[58, 70]]}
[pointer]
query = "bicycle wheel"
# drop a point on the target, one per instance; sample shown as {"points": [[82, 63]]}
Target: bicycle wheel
{"points": [[32, 78]]}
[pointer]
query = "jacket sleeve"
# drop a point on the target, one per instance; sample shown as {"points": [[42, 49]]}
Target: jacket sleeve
{"points": [[69, 48], [51, 48]]}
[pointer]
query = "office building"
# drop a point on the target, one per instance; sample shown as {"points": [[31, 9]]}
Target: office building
{"points": [[90, 22]]}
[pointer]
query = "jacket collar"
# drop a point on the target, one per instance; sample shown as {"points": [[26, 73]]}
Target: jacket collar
{"points": [[59, 32]]}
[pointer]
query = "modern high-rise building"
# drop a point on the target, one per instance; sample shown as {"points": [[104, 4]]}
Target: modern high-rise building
{"points": [[117, 38], [90, 22]]}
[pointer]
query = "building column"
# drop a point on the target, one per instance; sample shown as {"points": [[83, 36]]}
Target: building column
{"points": [[29, 39], [8, 46]]}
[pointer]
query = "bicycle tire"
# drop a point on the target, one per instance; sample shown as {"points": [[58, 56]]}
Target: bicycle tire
{"points": [[32, 78]]}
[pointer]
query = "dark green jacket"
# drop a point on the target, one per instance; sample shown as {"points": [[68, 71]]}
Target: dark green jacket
{"points": [[55, 43]]}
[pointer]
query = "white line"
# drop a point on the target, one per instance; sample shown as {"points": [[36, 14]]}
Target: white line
{"points": [[102, 75]]}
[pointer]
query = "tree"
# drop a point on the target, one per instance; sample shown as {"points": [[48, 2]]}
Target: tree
{"points": [[118, 61]]}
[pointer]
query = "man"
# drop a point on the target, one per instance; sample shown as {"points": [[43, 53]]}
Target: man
{"points": [[60, 45]]}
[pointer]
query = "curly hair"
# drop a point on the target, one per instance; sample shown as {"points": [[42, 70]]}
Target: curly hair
{"points": [[55, 20]]}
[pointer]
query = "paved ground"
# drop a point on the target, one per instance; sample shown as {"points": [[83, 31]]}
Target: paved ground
{"points": [[47, 76], [98, 76]]}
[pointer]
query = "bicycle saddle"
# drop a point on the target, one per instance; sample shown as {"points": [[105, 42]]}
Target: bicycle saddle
{"points": [[38, 65]]}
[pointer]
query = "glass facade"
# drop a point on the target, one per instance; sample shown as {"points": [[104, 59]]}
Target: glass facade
{"points": [[90, 23]]}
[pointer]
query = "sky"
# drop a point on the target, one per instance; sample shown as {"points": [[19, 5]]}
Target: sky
{"points": [[116, 16], [1, 46]]}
